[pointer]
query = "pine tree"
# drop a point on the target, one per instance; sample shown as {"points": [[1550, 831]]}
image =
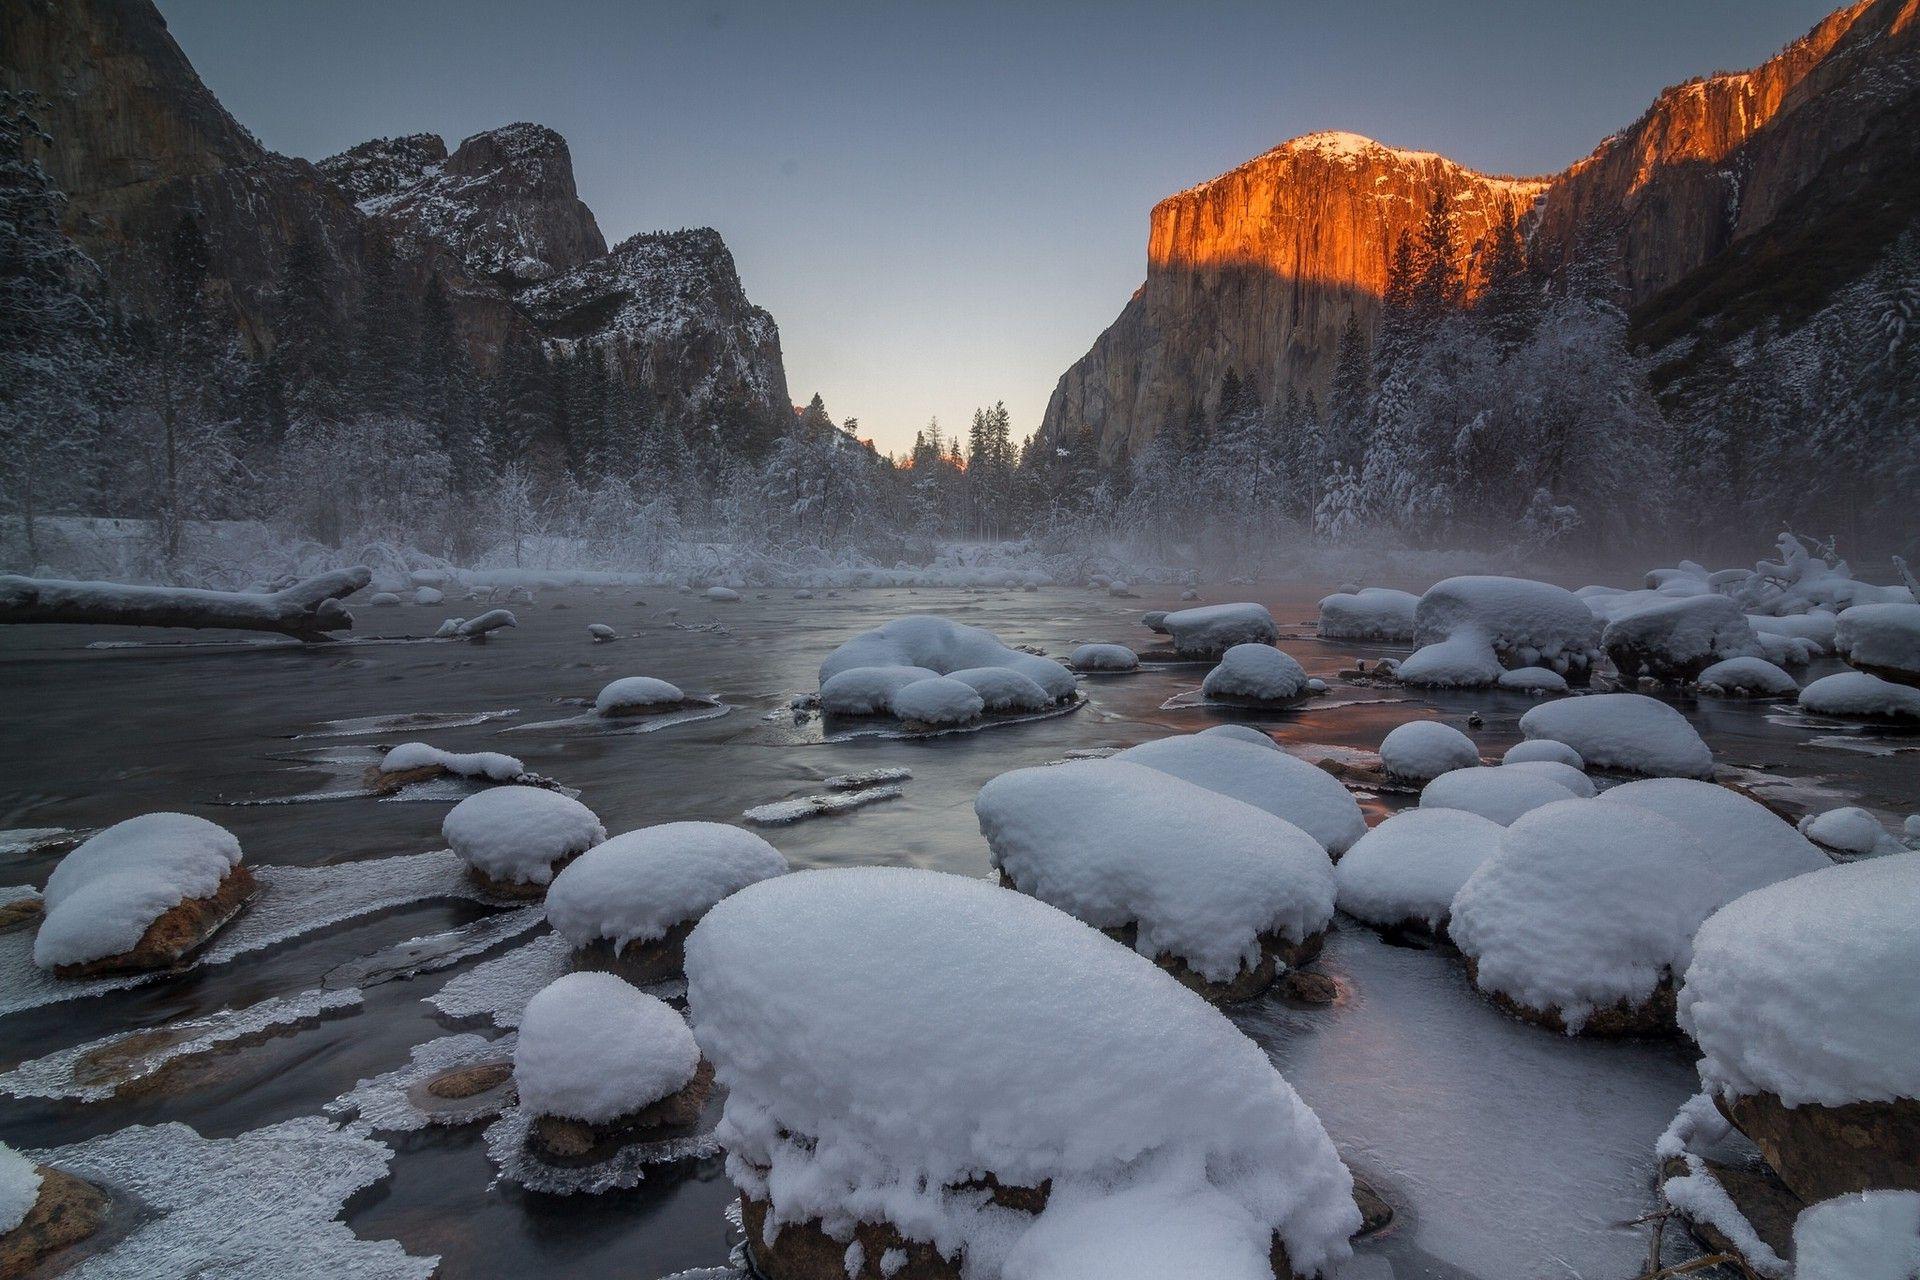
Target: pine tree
{"points": [[1508, 306], [307, 333]]}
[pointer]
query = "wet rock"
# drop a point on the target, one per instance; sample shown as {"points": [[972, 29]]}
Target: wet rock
{"points": [[1375, 1212], [1280, 959], [178, 933], [639, 962], [470, 1081], [67, 1212], [1307, 987], [1822, 1152], [1653, 1016], [22, 912], [1766, 1203], [565, 1141]]}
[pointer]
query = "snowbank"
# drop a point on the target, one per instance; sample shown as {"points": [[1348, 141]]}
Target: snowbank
{"points": [[1677, 639], [1497, 793], [977, 1032], [1860, 693], [1410, 867], [19, 1188], [491, 765], [104, 894], [1543, 749], [1588, 909], [1104, 657], [637, 694], [1522, 622], [1255, 673], [1628, 732], [940, 646], [1372, 613], [514, 835], [1874, 1235], [1421, 750], [1099, 838], [1747, 677], [1804, 989], [593, 1048], [1212, 629], [638, 885], [1287, 787]]}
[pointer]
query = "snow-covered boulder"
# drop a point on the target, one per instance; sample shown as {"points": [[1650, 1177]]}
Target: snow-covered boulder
{"points": [[1536, 680], [1212, 629], [1584, 917], [1543, 749], [638, 696], [514, 838], [1222, 894], [1119, 589], [601, 633], [631, 901], [1800, 581], [1785, 651], [1405, 872], [941, 646], [938, 701], [429, 596], [412, 762], [723, 595], [1817, 627], [1241, 733], [1883, 639], [1677, 639], [1285, 786], [1626, 732], [599, 1064], [1255, 673], [1874, 1235], [1801, 998], [1522, 623], [1861, 694], [956, 1036], [1564, 774], [143, 894], [1104, 657], [1422, 750], [867, 691], [1747, 678], [1372, 613], [1155, 620], [383, 599], [1002, 690], [1849, 830], [1464, 661], [1497, 793]]}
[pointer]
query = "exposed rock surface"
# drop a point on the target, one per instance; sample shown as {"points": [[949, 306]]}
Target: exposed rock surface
{"points": [[1822, 1152], [67, 1212]]}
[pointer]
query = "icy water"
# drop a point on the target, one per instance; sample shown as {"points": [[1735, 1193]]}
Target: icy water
{"points": [[1507, 1151]]}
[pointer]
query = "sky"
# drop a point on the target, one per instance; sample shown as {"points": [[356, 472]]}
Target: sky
{"points": [[944, 204]]}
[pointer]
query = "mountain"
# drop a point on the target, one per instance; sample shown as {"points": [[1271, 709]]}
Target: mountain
{"points": [[1256, 270], [138, 142]]}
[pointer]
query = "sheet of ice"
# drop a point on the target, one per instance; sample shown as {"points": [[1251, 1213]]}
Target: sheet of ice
{"points": [[1804, 988], [1411, 866], [1421, 750], [1215, 628], [506, 1141], [1629, 732], [1495, 792], [1104, 657], [1543, 749], [265, 1204], [1097, 839], [397, 1101], [1288, 788], [1859, 693], [975, 1030], [1256, 672], [638, 885], [103, 895], [434, 951], [491, 765], [25, 840], [404, 722], [1747, 676], [99, 1069], [1372, 613], [866, 778], [517, 833], [19, 1188], [498, 989], [630, 692], [936, 700], [1874, 1235], [779, 813]]}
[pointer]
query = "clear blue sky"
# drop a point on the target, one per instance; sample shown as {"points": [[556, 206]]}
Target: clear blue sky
{"points": [[943, 204]]}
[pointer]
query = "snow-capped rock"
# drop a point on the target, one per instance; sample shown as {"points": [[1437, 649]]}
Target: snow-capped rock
{"points": [[637, 695], [1372, 613], [1677, 639], [513, 838], [1883, 639], [1285, 786], [1861, 694], [1747, 678], [1255, 673], [593, 1048], [1408, 869], [1421, 750], [1497, 793], [1104, 657], [1212, 629], [1628, 732]]}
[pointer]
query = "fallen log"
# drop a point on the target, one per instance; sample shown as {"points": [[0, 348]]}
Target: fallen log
{"points": [[306, 610]]}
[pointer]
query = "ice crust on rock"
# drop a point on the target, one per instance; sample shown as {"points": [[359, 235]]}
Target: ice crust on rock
{"points": [[1629, 732], [1104, 657], [1257, 673], [1495, 792], [1859, 693], [638, 885], [937, 700], [1587, 903], [1310, 798], [1804, 988], [1411, 866], [1873, 1235], [102, 896], [977, 1031], [594, 1048], [389, 1103], [516, 834], [940, 646], [491, 765], [1201, 874], [19, 1188], [1747, 676], [1882, 637], [637, 693], [1421, 750], [1543, 749], [1372, 613], [1215, 628]]}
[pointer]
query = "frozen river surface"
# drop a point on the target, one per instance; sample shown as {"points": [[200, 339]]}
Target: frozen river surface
{"points": [[1507, 1151]]}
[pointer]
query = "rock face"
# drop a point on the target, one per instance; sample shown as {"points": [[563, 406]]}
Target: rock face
{"points": [[139, 141], [1258, 269]]}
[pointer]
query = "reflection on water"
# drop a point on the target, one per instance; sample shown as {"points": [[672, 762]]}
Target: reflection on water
{"points": [[1502, 1145]]}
